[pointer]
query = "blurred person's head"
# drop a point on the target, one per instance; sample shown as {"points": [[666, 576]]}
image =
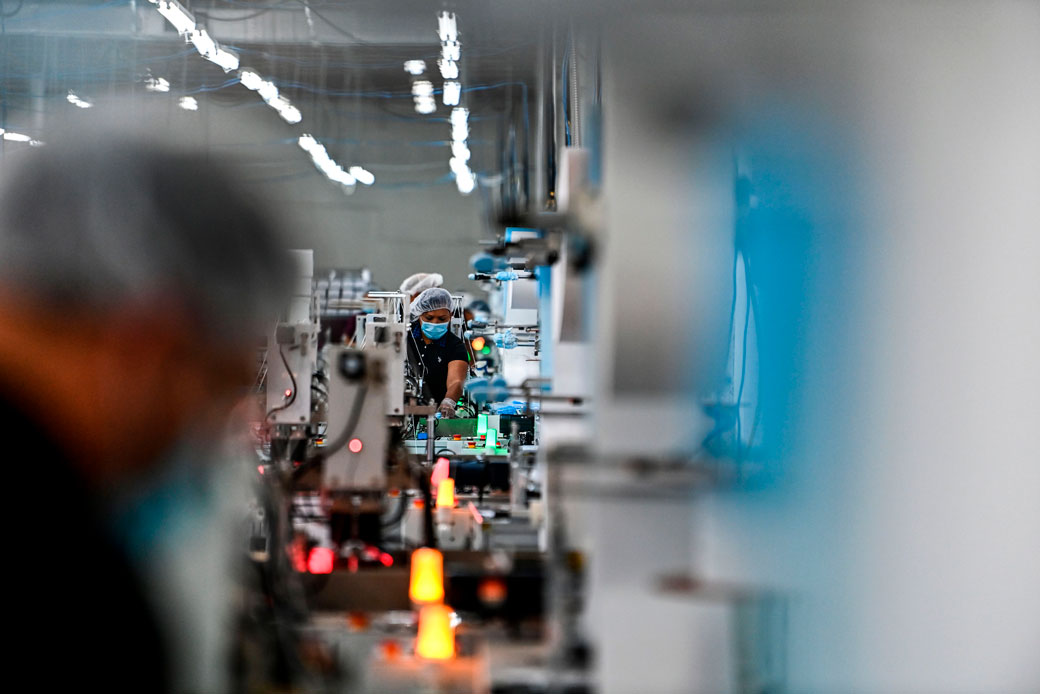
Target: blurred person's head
{"points": [[477, 309], [135, 280], [419, 282]]}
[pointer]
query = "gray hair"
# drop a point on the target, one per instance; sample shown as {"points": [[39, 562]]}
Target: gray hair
{"points": [[101, 223]]}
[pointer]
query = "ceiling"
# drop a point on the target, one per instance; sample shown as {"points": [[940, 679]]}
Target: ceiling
{"points": [[341, 64]]}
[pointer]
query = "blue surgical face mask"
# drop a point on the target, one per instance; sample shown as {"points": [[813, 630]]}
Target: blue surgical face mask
{"points": [[434, 331]]}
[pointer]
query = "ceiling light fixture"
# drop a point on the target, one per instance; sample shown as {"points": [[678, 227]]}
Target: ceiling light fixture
{"points": [[154, 84], [449, 69], [325, 163], [447, 29], [176, 15], [75, 100], [452, 93]]}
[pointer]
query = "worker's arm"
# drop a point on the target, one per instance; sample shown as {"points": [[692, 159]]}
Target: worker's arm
{"points": [[456, 378]]}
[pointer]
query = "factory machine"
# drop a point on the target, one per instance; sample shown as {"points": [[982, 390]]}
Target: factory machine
{"points": [[394, 550]]}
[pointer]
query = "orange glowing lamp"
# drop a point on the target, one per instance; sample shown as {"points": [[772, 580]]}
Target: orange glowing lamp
{"points": [[427, 581], [478, 344], [436, 640], [446, 493], [441, 470]]}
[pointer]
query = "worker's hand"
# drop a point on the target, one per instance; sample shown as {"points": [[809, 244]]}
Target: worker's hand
{"points": [[447, 408]]}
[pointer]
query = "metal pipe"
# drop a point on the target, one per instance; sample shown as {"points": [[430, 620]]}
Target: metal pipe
{"points": [[540, 161], [574, 102]]}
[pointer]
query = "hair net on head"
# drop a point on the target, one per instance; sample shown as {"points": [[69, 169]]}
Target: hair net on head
{"points": [[421, 281], [431, 300]]}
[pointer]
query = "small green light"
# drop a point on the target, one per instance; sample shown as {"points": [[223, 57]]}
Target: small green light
{"points": [[486, 350], [492, 438], [481, 424]]}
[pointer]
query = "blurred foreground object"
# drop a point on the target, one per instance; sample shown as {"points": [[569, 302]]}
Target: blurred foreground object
{"points": [[136, 278]]}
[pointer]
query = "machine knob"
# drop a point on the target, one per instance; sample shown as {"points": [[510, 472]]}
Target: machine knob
{"points": [[352, 365]]}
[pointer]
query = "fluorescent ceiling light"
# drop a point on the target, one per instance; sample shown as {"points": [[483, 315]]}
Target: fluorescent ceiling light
{"points": [[452, 93], [447, 28], [249, 79], [362, 175], [189, 103], [290, 114], [415, 67], [176, 15], [466, 182], [457, 166], [460, 151], [449, 69], [324, 163], [73, 99], [425, 105], [459, 115], [154, 84], [451, 50], [224, 59]]}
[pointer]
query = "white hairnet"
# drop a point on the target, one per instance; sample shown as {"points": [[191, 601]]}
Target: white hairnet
{"points": [[421, 281], [431, 300]]}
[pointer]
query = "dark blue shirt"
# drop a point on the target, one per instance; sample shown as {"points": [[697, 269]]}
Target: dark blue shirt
{"points": [[431, 360]]}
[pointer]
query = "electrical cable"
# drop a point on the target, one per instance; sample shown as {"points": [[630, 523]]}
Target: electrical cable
{"points": [[402, 506], [8, 15], [348, 432], [210, 18], [336, 27], [292, 380]]}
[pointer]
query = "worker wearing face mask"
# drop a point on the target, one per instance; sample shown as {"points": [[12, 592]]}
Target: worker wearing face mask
{"points": [[436, 355]]}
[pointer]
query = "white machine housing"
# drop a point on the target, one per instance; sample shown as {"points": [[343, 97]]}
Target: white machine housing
{"points": [[364, 469]]}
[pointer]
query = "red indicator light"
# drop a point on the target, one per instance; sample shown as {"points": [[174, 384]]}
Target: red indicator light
{"points": [[288, 393], [260, 469], [296, 556], [386, 560], [391, 649], [320, 560], [355, 445], [492, 592]]}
